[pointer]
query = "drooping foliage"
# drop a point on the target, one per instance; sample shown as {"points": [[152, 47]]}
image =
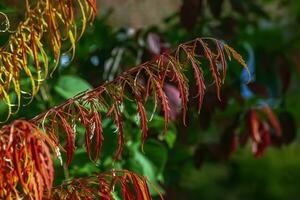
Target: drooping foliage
{"points": [[140, 84], [254, 123], [26, 171], [26, 168], [27, 162], [25, 55], [129, 184]]}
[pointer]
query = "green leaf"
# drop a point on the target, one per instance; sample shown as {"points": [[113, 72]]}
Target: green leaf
{"points": [[170, 138], [148, 171], [69, 86], [157, 153]]}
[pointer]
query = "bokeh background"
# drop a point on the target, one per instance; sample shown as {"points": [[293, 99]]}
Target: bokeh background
{"points": [[213, 157]]}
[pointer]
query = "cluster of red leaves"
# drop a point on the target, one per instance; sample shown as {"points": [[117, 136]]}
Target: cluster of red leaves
{"points": [[130, 185], [26, 171], [262, 126], [137, 84], [26, 168], [260, 130], [49, 20]]}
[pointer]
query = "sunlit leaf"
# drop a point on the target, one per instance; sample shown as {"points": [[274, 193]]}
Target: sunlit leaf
{"points": [[45, 20]]}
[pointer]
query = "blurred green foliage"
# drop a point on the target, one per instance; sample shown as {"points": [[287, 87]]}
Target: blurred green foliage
{"points": [[190, 162]]}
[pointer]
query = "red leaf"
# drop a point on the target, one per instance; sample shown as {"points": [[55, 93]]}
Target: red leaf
{"points": [[142, 113], [118, 121], [164, 103], [253, 122], [179, 77], [98, 133], [223, 61], [70, 133], [259, 148], [199, 83], [213, 67], [273, 119]]}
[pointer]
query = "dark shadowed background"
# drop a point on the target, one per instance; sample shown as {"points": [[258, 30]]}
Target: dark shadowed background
{"points": [[214, 156]]}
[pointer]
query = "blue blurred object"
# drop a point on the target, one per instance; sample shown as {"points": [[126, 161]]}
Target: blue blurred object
{"points": [[245, 91]]}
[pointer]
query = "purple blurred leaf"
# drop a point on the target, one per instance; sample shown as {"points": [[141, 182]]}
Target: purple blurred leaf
{"points": [[289, 127], [154, 44], [173, 95], [189, 13], [258, 89], [285, 76], [216, 7]]}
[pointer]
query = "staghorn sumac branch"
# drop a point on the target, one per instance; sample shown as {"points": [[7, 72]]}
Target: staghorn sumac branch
{"points": [[27, 163], [137, 84], [24, 53], [129, 184]]}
